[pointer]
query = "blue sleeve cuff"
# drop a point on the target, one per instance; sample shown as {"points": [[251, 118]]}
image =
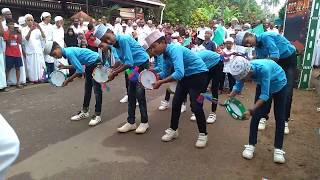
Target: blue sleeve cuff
{"points": [[264, 97], [176, 76]]}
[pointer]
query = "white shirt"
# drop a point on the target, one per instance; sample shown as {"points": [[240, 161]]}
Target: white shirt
{"points": [[201, 30], [33, 45], [274, 30], [58, 35], [48, 31], [117, 28], [226, 67], [77, 30], [9, 146]]}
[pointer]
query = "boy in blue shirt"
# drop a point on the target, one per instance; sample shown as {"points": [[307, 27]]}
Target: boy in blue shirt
{"points": [[79, 57], [131, 54], [192, 76], [273, 46], [271, 84], [214, 63]]}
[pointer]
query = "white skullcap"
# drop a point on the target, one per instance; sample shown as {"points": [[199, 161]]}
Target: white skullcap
{"points": [[100, 31], [201, 35], [44, 15], [4, 10], [48, 47], [21, 20], [118, 19], [175, 35], [239, 67], [149, 21], [58, 18], [145, 45], [160, 26], [239, 38], [124, 24], [134, 24], [248, 25], [229, 39], [153, 37], [28, 16]]}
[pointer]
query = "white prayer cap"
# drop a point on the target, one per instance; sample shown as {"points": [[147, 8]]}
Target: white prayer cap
{"points": [[134, 24], [229, 39], [28, 16], [21, 20], [97, 42], [239, 37], [247, 25], [145, 45], [153, 37], [201, 35], [208, 30], [124, 25], [44, 15], [160, 26], [4, 10], [100, 31], [58, 18], [239, 67], [48, 47], [118, 19], [175, 35], [149, 21]]}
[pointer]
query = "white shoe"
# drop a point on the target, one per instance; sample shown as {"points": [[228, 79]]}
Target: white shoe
{"points": [[202, 140], [193, 117], [211, 118], [183, 108], [164, 105], [79, 116], [95, 120], [124, 99], [286, 128], [127, 127], [170, 135], [142, 128], [248, 151], [137, 103], [278, 156], [262, 124]]}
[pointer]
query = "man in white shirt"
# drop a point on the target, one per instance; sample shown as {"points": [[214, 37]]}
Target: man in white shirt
{"points": [[3, 82], [82, 26], [117, 26], [202, 28], [47, 28], [76, 27], [272, 28]]}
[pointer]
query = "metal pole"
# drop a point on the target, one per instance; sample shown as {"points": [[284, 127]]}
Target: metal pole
{"points": [[87, 6]]}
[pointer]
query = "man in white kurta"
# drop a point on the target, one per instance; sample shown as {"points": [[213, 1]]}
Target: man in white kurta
{"points": [[47, 28], [58, 37], [3, 81], [9, 146], [33, 36]]}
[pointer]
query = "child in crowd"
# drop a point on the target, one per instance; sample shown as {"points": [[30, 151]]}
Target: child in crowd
{"points": [[228, 54]]}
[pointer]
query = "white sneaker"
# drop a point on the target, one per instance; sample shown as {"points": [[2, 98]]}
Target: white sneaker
{"points": [[262, 124], [95, 120], [137, 103], [127, 127], [248, 151], [164, 105], [278, 156], [124, 99], [183, 108], [193, 117], [170, 135], [286, 128], [79, 116], [212, 118], [202, 140], [142, 128]]}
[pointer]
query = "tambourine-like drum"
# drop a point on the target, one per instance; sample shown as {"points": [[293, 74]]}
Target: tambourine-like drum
{"points": [[57, 78], [147, 78], [235, 108], [101, 74], [172, 87]]}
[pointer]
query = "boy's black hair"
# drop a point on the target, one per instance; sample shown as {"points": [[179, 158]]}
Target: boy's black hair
{"points": [[247, 34], [90, 26], [55, 45]]}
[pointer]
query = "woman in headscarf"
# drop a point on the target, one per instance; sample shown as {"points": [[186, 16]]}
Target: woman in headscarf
{"points": [[71, 40]]}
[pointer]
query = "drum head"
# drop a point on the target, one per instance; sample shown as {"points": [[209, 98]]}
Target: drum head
{"points": [[172, 87], [57, 78], [235, 108], [100, 74], [147, 78]]}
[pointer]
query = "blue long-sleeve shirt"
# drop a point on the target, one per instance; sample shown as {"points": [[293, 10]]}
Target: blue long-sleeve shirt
{"points": [[210, 58], [129, 51], [80, 56], [158, 63], [273, 45], [184, 62], [268, 74]]}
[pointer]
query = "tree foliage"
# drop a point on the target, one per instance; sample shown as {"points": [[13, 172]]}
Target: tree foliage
{"points": [[192, 12]]}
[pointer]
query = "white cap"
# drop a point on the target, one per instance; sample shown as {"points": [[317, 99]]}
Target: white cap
{"points": [[239, 37], [145, 45], [100, 31], [134, 24], [124, 25], [48, 47], [97, 42], [160, 26], [229, 39], [58, 18], [4, 10], [175, 35], [21, 20], [153, 37], [201, 35], [44, 15], [239, 67], [149, 21], [248, 25]]}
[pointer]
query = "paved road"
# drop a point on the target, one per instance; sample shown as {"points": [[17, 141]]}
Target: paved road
{"points": [[52, 147]]}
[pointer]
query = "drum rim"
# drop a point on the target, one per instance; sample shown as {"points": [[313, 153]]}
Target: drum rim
{"points": [[93, 73], [231, 112], [57, 71], [144, 71]]}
